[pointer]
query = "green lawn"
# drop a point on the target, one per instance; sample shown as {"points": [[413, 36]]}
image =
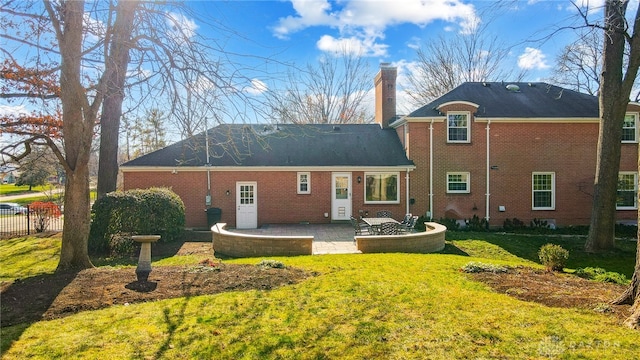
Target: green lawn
{"points": [[379, 306], [12, 189]]}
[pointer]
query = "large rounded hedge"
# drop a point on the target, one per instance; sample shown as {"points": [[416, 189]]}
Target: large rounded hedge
{"points": [[120, 214]]}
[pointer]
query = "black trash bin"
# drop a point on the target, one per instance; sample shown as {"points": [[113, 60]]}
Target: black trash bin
{"points": [[213, 216]]}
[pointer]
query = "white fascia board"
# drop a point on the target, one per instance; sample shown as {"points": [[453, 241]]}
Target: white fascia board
{"points": [[538, 120], [457, 103], [436, 119], [265, 168]]}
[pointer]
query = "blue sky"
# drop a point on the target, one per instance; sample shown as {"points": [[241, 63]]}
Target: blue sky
{"points": [[300, 31], [263, 36]]}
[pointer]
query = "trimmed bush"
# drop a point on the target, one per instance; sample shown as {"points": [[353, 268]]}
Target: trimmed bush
{"points": [[553, 257], [476, 224], [135, 212]]}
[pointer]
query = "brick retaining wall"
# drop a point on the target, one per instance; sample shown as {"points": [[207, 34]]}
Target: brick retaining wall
{"points": [[246, 245], [429, 241]]}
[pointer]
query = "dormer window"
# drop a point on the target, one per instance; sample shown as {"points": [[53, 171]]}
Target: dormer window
{"points": [[458, 127]]}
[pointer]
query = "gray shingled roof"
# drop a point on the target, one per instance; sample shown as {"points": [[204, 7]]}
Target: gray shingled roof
{"points": [[284, 145], [531, 100]]}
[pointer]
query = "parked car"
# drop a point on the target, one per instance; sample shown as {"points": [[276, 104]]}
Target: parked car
{"points": [[12, 209]]}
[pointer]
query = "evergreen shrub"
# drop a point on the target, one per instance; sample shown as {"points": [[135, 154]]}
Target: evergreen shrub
{"points": [[553, 257], [120, 214]]}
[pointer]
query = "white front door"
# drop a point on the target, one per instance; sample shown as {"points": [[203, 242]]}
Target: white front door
{"points": [[341, 196], [246, 205]]}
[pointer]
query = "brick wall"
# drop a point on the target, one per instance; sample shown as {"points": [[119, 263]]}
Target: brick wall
{"points": [[516, 151], [243, 245], [277, 199]]}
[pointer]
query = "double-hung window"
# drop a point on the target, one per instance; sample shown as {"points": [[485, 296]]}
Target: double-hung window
{"points": [[304, 183], [457, 182], [630, 128], [627, 191], [381, 188], [543, 191], [458, 127]]}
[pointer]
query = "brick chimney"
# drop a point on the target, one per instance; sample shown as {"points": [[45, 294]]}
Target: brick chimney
{"points": [[385, 84]]}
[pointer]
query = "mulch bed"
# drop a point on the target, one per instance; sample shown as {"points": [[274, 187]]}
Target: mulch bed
{"points": [[52, 296], [556, 290]]}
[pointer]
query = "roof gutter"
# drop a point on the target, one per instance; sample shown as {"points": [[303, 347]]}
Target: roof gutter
{"points": [[176, 169]]}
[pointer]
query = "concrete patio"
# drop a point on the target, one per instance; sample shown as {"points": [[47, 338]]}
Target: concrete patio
{"points": [[327, 238]]}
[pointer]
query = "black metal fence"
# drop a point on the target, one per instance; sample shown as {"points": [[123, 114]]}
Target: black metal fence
{"points": [[29, 223]]}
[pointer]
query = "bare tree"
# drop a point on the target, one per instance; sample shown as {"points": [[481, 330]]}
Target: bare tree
{"points": [[144, 134], [462, 57], [117, 44], [69, 79], [579, 65], [620, 63], [616, 82], [332, 91], [175, 69], [76, 55]]}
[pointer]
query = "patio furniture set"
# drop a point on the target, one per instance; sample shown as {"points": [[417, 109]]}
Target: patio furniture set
{"points": [[384, 224]]}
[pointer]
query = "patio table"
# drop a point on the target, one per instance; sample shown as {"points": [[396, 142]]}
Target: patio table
{"points": [[375, 222]]}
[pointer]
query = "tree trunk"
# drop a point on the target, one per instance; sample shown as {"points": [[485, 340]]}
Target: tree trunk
{"points": [[78, 119], [632, 296], [77, 221], [613, 104], [115, 74]]}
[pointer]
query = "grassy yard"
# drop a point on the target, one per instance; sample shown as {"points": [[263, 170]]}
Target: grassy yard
{"points": [[379, 306], [12, 189]]}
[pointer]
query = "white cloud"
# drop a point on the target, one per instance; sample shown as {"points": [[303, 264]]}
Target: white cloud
{"points": [[183, 27], [257, 87], [16, 110], [310, 13], [363, 22], [532, 59], [414, 43], [96, 29], [352, 45]]}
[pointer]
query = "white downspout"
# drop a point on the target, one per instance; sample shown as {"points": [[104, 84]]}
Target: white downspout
{"points": [[406, 151], [407, 190], [207, 200], [431, 169], [488, 194]]}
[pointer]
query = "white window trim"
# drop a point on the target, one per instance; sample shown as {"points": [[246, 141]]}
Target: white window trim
{"points": [[468, 182], [636, 116], [468, 114], [553, 190], [300, 174], [635, 190], [396, 174]]}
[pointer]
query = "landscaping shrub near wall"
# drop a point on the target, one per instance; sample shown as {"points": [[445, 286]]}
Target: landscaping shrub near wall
{"points": [[120, 214]]}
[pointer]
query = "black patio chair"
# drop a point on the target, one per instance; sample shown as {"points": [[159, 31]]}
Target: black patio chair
{"points": [[389, 228], [409, 227], [406, 219], [360, 228], [384, 213]]}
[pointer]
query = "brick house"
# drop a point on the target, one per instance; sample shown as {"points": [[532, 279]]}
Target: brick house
{"points": [[493, 150], [261, 174], [512, 150]]}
